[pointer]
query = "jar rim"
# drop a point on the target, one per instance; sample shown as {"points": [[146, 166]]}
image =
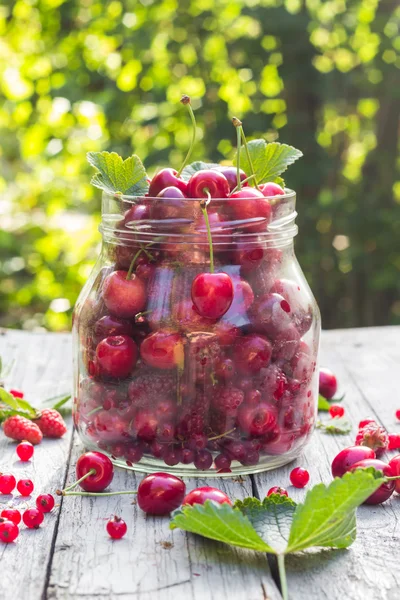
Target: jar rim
{"points": [[289, 193]]}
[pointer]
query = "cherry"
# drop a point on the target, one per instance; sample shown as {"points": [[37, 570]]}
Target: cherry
{"points": [[327, 383], [286, 344], [25, 487], [202, 494], [45, 503], [335, 410], [8, 531], [230, 173], [398, 415], [271, 315], [257, 420], [94, 472], [160, 493], [394, 441], [110, 326], [116, 528], [203, 460], [251, 353], [277, 490], [33, 518], [173, 193], [395, 466], [251, 206], [166, 178], [348, 457], [271, 189], [124, 296], [299, 477], [116, 356], [11, 514], [207, 182], [7, 483], [162, 350], [137, 212], [222, 461], [212, 294], [25, 451], [386, 489]]}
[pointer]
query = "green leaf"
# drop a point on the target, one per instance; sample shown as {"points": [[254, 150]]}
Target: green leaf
{"points": [[323, 403], [269, 160], [337, 425], [198, 165], [18, 405], [117, 175], [220, 522], [272, 518], [328, 515]]}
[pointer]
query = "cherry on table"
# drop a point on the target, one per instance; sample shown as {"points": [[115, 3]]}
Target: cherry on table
{"points": [[394, 464], [160, 493], [96, 469], [208, 182], [348, 457], [327, 383], [116, 528], [116, 356], [166, 178], [124, 297], [202, 494], [8, 531], [386, 489]]}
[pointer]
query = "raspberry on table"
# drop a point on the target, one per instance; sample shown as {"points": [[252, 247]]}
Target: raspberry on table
{"points": [[51, 423], [20, 429]]}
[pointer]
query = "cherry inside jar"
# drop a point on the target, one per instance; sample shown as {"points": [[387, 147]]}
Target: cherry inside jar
{"points": [[160, 386]]}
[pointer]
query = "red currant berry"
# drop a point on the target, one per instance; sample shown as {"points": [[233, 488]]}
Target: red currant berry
{"points": [[395, 466], [160, 493], [277, 490], [327, 383], [116, 528], [7, 483], [348, 457], [17, 393], [124, 297], [386, 489], [398, 415], [222, 461], [394, 441], [33, 518], [25, 451], [97, 469], [162, 350], [201, 494], [203, 460], [364, 422], [299, 477], [45, 503], [116, 356], [336, 410], [8, 531], [212, 294], [11, 514], [25, 487]]}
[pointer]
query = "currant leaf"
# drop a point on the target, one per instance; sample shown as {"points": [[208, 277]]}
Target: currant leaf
{"points": [[268, 160], [328, 515], [198, 165], [220, 522], [17, 405], [116, 175], [323, 403], [335, 426]]}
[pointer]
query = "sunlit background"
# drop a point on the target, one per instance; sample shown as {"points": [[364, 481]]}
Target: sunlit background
{"points": [[90, 75]]}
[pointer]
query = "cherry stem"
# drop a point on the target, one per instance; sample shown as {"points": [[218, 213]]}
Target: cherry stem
{"points": [[282, 576], [186, 101], [203, 205], [248, 155], [221, 435], [134, 259], [70, 487], [65, 493]]}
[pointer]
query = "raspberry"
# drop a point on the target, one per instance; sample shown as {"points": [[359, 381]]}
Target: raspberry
{"points": [[18, 428], [147, 387], [51, 423], [228, 400], [374, 436]]}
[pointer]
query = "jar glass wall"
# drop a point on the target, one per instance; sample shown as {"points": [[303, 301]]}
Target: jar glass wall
{"points": [[159, 387]]}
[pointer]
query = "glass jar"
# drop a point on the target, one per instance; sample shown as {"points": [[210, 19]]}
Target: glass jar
{"points": [[159, 387]]}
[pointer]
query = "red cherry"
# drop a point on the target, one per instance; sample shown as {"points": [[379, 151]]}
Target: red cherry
{"points": [[258, 420], [33, 518], [299, 477], [271, 315], [103, 471], [249, 203], [25, 451], [277, 490], [348, 457], [116, 356], [209, 181], [124, 297], [109, 325], [162, 350], [271, 189], [45, 503], [166, 178], [160, 493], [201, 494], [394, 441], [336, 410], [137, 212], [231, 176], [398, 415], [25, 487], [395, 466], [212, 294], [386, 489], [11, 514], [171, 192], [327, 383], [252, 353], [8, 531], [116, 528]]}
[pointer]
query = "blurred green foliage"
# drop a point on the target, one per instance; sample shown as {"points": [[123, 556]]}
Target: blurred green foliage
{"points": [[78, 76]]}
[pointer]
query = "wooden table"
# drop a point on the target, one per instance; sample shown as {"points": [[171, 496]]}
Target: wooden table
{"points": [[72, 557]]}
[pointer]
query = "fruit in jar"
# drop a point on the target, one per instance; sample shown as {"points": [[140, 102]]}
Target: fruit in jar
{"points": [[116, 356], [124, 297]]}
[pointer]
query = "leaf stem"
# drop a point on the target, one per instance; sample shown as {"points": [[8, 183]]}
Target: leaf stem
{"points": [[186, 101], [282, 576], [248, 155], [203, 206]]}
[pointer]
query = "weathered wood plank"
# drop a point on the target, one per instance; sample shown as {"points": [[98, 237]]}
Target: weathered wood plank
{"points": [[41, 369], [366, 362], [151, 562]]}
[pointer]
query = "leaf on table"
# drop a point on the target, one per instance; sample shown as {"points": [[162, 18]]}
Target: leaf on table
{"points": [[272, 518], [17, 405], [323, 403], [269, 160], [116, 175], [220, 522], [328, 515], [198, 165], [337, 425]]}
